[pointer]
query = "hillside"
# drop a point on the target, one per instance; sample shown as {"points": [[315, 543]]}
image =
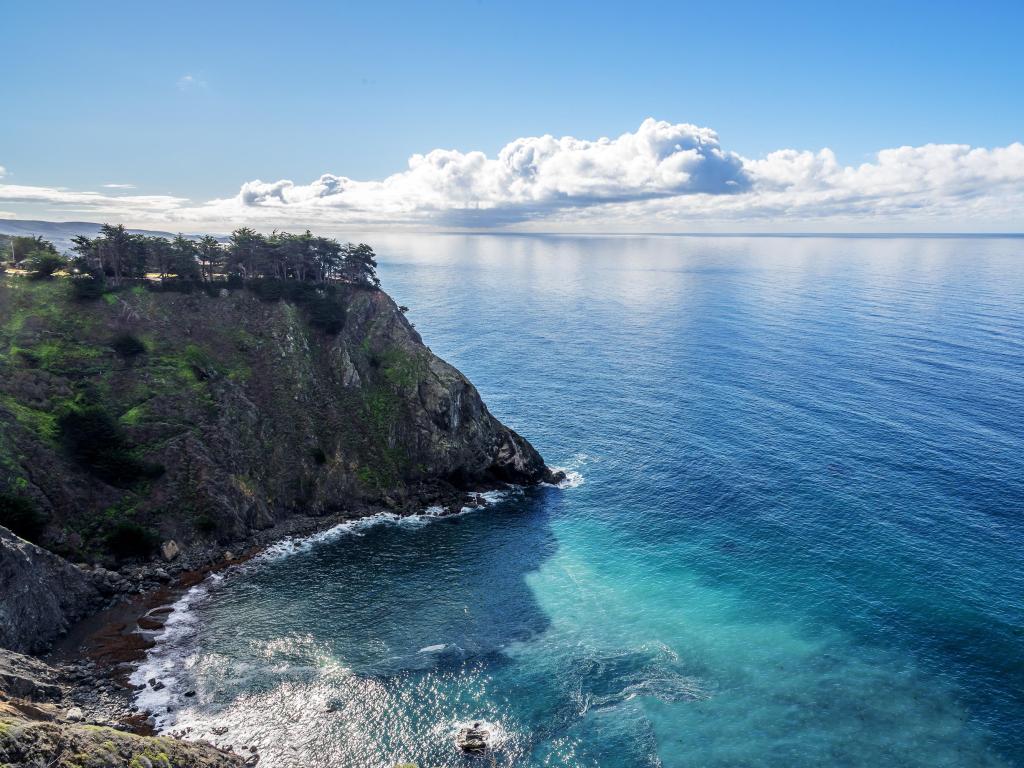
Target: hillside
{"points": [[144, 424]]}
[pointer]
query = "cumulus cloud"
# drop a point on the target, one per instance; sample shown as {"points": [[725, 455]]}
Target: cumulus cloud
{"points": [[529, 178], [660, 177]]}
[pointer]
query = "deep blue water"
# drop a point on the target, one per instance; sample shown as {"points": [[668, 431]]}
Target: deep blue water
{"points": [[798, 540]]}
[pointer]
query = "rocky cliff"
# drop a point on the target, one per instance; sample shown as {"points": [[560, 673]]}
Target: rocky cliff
{"points": [[142, 418]]}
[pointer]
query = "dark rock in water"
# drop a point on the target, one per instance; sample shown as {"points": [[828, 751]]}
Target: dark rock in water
{"points": [[472, 739], [552, 477], [189, 694]]}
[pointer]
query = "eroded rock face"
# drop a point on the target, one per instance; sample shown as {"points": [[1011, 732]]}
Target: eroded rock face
{"points": [[249, 413], [40, 595], [27, 677]]}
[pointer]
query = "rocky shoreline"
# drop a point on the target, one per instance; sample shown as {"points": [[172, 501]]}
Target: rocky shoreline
{"points": [[84, 679]]}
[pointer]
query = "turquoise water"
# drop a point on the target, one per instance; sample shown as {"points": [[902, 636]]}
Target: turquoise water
{"points": [[797, 540]]}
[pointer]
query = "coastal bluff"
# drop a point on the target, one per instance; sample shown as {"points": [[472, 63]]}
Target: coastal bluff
{"points": [[153, 425], [148, 433]]}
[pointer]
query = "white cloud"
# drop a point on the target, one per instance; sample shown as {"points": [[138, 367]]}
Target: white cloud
{"points": [[119, 186], [528, 178], [661, 177], [3, 171], [190, 83]]}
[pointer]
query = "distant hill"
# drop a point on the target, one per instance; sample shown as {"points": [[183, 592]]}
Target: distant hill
{"points": [[60, 232]]}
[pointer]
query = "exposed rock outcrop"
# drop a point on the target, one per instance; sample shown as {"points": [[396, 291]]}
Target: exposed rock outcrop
{"points": [[238, 414], [40, 595]]}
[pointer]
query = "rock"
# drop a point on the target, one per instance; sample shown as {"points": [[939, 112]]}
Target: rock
{"points": [[156, 685], [189, 694], [472, 739], [229, 555], [220, 730], [41, 594], [169, 550], [75, 714], [554, 478], [28, 678]]}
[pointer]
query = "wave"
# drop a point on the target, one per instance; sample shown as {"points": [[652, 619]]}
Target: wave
{"points": [[573, 477]]}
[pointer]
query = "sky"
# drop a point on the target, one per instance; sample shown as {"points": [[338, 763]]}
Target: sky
{"points": [[554, 116]]}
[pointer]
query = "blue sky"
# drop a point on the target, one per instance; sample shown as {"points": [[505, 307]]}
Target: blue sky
{"points": [[193, 100]]}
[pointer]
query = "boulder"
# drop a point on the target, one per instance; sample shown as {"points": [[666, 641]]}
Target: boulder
{"points": [[472, 739], [169, 550]]}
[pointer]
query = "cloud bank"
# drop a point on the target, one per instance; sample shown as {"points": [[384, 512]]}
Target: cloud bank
{"points": [[661, 177]]}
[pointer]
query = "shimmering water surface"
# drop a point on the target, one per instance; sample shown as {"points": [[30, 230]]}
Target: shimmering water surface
{"points": [[798, 539]]}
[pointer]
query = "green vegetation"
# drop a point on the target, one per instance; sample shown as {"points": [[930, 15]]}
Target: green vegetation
{"points": [[94, 440], [117, 254], [127, 345], [20, 515], [128, 538], [41, 264]]}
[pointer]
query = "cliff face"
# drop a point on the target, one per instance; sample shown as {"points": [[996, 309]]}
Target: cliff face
{"points": [[143, 416], [42, 594]]}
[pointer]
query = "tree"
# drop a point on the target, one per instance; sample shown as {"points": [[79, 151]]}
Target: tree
{"points": [[159, 255], [22, 246], [246, 253], [210, 255], [42, 264], [120, 253], [88, 260], [183, 258], [360, 267]]}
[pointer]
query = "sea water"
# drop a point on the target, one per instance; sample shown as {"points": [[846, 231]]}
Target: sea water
{"points": [[793, 535]]}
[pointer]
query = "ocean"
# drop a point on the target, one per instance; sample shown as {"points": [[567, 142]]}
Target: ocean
{"points": [[791, 536]]}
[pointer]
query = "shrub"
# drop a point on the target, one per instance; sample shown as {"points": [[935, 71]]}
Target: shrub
{"points": [[94, 440], [21, 516], [88, 287], [327, 313], [42, 264], [127, 538], [127, 345], [267, 289]]}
